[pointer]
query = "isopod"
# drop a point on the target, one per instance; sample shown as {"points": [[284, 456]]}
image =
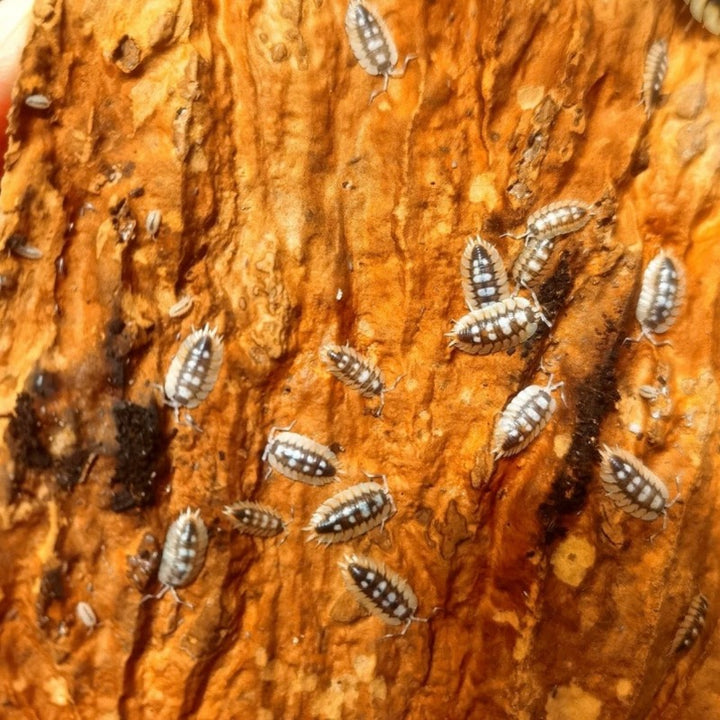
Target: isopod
{"points": [[252, 518], [144, 564], [299, 458], [183, 555], [194, 369], [499, 326], [484, 278], [380, 591], [38, 102], [86, 615], [152, 223], [524, 419], [558, 218], [691, 625], [372, 43], [656, 65], [352, 512], [706, 12], [355, 371], [181, 307], [17, 245], [661, 295], [532, 266], [632, 486]]}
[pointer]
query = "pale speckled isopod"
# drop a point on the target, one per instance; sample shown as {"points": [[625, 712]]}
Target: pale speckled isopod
{"points": [[524, 419], [380, 591], [691, 625], [183, 554], [632, 486], [152, 223], [706, 12], [251, 518], [299, 458], [532, 266], [656, 65], [483, 274], [86, 615], [558, 218], [182, 307], [352, 512], [661, 296], [499, 326], [372, 44], [194, 369]]}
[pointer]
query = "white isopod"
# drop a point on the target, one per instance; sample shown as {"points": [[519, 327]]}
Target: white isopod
{"points": [[706, 12], [181, 307], [38, 101], [558, 218], [372, 43], [183, 554], [86, 615], [252, 518], [352, 512], [656, 65], [532, 266], [152, 223], [691, 625], [484, 278], [299, 458], [524, 419]]}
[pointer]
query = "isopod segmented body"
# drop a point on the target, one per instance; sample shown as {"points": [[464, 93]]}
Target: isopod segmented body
{"points": [[252, 518], [372, 43], [299, 458], [351, 513], [523, 419], [499, 326], [194, 369], [532, 266], [380, 591], [558, 218], [661, 295], [691, 625], [632, 486], [86, 615], [706, 12], [656, 65], [484, 278], [183, 554]]}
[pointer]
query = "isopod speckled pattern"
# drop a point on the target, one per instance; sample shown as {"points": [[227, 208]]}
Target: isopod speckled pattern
{"points": [[632, 486], [558, 218], [355, 371], [661, 295], [523, 419], [299, 458], [656, 65], [194, 369], [372, 44], [484, 278], [183, 555], [499, 326], [380, 591], [352, 512], [691, 625], [532, 266], [252, 518], [706, 12]]}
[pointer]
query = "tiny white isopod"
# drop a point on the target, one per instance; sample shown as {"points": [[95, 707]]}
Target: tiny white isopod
{"points": [[656, 65], [86, 615], [38, 101], [181, 307]]}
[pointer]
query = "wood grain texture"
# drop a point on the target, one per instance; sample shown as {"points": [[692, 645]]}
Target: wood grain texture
{"points": [[295, 214]]}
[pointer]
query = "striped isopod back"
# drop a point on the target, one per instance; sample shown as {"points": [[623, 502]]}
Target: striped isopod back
{"points": [[558, 218], [631, 485], [194, 369], [299, 458], [351, 513], [656, 65], [484, 279], [251, 518], [523, 419], [661, 295], [691, 625], [499, 326], [706, 12], [532, 266]]}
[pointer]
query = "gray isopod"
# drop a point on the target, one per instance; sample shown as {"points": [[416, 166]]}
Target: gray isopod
{"points": [[483, 274]]}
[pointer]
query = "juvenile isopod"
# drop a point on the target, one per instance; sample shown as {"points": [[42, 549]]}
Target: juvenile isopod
{"points": [[380, 591], [524, 419], [632, 486], [183, 555], [372, 43], [356, 371], [532, 266], [299, 458], [251, 518], [17, 245], [706, 12], [86, 615], [352, 512], [499, 326], [38, 101], [661, 295], [194, 369], [484, 278], [152, 223], [181, 307], [691, 625], [144, 564], [656, 65]]}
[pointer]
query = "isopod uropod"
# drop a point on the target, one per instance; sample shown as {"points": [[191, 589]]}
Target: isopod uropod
{"points": [[523, 419], [632, 486], [484, 278], [656, 65], [380, 591], [252, 518], [372, 43], [706, 12], [691, 625], [299, 458], [351, 512], [183, 555]]}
